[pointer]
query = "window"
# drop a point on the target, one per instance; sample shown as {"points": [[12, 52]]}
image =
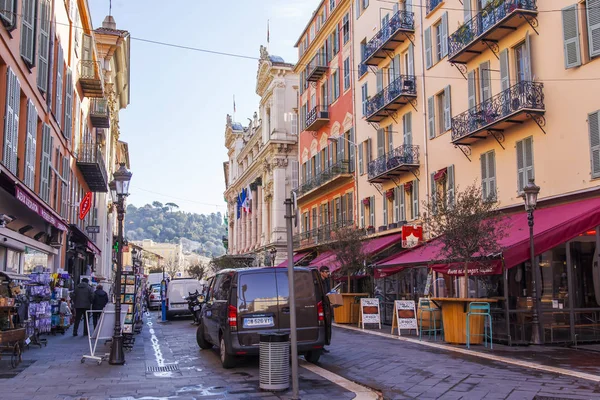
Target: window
{"points": [[294, 122], [347, 73], [11, 121], [523, 66], [44, 44], [524, 162], [440, 100], [372, 211], [428, 50], [68, 130], [28, 31], [485, 82], [331, 5], [335, 85], [346, 28], [361, 166], [335, 42], [439, 109], [30, 145], [415, 199], [362, 214], [488, 175], [65, 187], [380, 142], [399, 207], [45, 163], [59, 85], [8, 12], [407, 129], [593, 26], [594, 129], [385, 209], [570, 24], [438, 41]]}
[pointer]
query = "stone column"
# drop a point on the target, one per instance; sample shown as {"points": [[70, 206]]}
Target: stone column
{"points": [[279, 195], [265, 220], [236, 233], [242, 231], [253, 217], [259, 215]]}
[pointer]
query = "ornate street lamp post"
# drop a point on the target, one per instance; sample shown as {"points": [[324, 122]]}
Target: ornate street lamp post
{"points": [[530, 195], [119, 190], [272, 252]]}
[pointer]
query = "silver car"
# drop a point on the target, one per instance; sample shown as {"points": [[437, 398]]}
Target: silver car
{"points": [[154, 297]]}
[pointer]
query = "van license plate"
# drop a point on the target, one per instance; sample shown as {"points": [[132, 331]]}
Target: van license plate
{"points": [[258, 322]]}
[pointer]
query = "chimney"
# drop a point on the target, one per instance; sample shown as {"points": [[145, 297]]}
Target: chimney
{"points": [[109, 22]]}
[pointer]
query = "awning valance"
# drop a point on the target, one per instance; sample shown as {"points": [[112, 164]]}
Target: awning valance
{"points": [[440, 174], [297, 258]]}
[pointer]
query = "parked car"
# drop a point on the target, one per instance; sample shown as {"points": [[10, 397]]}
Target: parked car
{"points": [[242, 304], [177, 291], [154, 300]]}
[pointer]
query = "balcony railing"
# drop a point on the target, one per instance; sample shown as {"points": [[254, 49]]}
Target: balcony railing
{"points": [[432, 4], [90, 77], [327, 175], [487, 27], [402, 159], [512, 106], [394, 96], [317, 118], [90, 162], [317, 67], [99, 113], [362, 69], [389, 37], [321, 235]]}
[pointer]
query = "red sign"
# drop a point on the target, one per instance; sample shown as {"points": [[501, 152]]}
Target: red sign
{"points": [[411, 235], [85, 205]]}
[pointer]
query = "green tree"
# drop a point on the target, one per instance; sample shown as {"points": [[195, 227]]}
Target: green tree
{"points": [[196, 271]]}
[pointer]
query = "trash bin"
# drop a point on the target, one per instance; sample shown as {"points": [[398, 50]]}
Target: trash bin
{"points": [[274, 358]]}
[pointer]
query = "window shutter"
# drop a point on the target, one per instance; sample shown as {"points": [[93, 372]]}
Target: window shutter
{"points": [[30, 150], [471, 89], [390, 139], [401, 196], [415, 198], [68, 131], [407, 122], [350, 197], [396, 64], [28, 21], [467, 9], [528, 149], [396, 204], [344, 209], [59, 86], [8, 121], [362, 214], [433, 195], [357, 9], [520, 166], [369, 151], [484, 175], [44, 37], [450, 191], [411, 60], [528, 70], [444, 35], [594, 128], [593, 19], [447, 109], [295, 167], [379, 80], [330, 154], [380, 142], [428, 54], [504, 70], [351, 150], [491, 171], [385, 210], [431, 116], [484, 72], [571, 36], [317, 164], [294, 122], [361, 167], [45, 163], [15, 100], [8, 11], [372, 211]]}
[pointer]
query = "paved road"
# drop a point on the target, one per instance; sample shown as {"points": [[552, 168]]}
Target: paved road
{"points": [[57, 373], [404, 370]]}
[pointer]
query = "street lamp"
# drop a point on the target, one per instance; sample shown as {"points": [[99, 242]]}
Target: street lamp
{"points": [[272, 252], [530, 194], [119, 189]]}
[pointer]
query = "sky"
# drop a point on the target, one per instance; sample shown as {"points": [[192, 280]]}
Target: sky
{"points": [[175, 122]]}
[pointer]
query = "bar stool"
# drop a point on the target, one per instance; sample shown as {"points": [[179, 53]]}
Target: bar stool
{"points": [[425, 307], [480, 309]]}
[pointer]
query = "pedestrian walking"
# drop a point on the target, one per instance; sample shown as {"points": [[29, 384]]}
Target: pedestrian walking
{"points": [[83, 296], [326, 276], [99, 302]]}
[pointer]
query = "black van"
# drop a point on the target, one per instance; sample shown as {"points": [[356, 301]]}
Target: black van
{"points": [[241, 304]]}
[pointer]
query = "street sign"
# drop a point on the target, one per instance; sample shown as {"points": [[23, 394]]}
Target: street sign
{"points": [[92, 229], [85, 205]]}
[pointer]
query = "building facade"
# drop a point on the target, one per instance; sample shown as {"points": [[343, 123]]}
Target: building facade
{"points": [[263, 164], [326, 196], [54, 152]]}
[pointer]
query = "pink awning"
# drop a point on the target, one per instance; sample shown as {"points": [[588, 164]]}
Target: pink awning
{"points": [[321, 259], [553, 226], [297, 258]]}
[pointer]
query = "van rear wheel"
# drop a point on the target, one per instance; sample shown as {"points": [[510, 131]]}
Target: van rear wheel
{"points": [[227, 360], [313, 356], [202, 343]]}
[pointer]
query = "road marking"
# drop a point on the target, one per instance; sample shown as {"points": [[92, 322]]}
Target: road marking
{"points": [[506, 360], [361, 392]]}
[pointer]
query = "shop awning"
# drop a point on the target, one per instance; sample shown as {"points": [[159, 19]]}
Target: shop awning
{"points": [[297, 258], [553, 226], [93, 248], [79, 236], [321, 259], [440, 174]]}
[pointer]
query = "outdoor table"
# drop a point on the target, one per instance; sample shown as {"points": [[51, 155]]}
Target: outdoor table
{"points": [[454, 317], [348, 312]]}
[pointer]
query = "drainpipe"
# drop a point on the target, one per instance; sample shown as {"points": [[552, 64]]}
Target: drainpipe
{"points": [[425, 122], [355, 115]]}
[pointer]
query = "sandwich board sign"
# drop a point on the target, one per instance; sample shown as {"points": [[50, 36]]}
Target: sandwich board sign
{"points": [[369, 312], [405, 316]]}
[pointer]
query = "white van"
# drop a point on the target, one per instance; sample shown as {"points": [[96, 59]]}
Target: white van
{"points": [[177, 291]]}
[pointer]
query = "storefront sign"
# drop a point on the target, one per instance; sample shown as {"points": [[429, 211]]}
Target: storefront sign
{"points": [[38, 208], [369, 312], [476, 268], [405, 316], [92, 229], [85, 205], [411, 235]]}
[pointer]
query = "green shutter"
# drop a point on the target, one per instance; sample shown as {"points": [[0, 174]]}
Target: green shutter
{"points": [[570, 25]]}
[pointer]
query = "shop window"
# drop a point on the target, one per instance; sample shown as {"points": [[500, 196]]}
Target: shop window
{"points": [[13, 261]]}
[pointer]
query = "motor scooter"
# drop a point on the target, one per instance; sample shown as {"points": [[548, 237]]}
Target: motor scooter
{"points": [[194, 305]]}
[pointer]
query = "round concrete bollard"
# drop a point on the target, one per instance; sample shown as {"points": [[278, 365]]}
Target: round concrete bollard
{"points": [[274, 358]]}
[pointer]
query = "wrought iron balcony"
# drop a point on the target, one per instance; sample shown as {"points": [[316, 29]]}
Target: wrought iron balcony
{"points": [[99, 113], [326, 177], [484, 30], [523, 101], [432, 4], [317, 67], [402, 159], [317, 118], [398, 93], [321, 235], [90, 162], [90, 78], [389, 37]]}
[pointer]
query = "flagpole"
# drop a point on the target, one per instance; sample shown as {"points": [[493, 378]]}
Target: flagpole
{"points": [[234, 108], [268, 38]]}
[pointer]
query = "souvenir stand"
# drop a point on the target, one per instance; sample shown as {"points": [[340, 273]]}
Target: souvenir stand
{"points": [[12, 334], [130, 285], [40, 308], [60, 302], [139, 303]]}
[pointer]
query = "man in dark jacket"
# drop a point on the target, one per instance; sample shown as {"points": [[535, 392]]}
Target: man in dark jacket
{"points": [[83, 296], [100, 300]]}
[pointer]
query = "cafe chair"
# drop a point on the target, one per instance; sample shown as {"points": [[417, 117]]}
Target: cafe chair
{"points": [[480, 309], [426, 307]]}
